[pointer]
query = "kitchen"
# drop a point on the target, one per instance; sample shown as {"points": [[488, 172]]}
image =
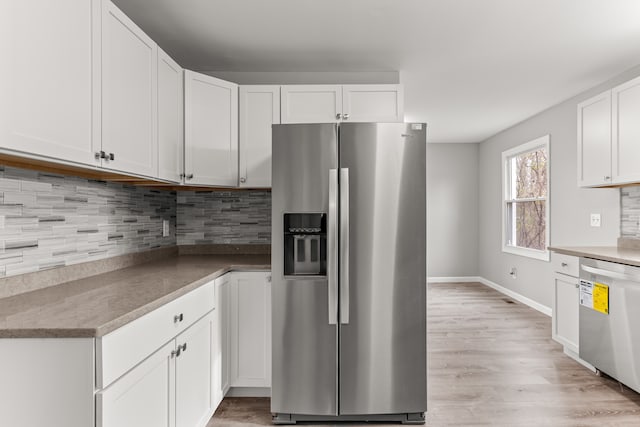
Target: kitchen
{"points": [[74, 211]]}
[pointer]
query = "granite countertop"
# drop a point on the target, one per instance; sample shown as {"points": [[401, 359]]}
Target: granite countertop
{"points": [[605, 253], [97, 305]]}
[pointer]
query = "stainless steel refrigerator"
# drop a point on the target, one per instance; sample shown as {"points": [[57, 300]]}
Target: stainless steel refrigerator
{"points": [[349, 272]]}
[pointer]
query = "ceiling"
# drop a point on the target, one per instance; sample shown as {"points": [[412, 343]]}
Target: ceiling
{"points": [[471, 68]]}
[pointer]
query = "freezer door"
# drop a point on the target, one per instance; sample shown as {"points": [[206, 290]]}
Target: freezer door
{"points": [[383, 276], [304, 330]]}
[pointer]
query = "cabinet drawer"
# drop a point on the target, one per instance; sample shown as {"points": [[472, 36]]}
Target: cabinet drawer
{"points": [[565, 264], [122, 349]]}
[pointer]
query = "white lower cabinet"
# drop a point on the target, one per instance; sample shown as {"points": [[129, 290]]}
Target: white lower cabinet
{"points": [[144, 397], [194, 380], [565, 311], [172, 387], [251, 330], [169, 368]]}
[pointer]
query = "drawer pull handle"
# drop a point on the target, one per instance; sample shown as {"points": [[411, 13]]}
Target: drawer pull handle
{"points": [[564, 264], [178, 318], [184, 347]]}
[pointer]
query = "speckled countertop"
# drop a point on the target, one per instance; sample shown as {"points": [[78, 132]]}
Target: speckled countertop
{"points": [[97, 305], [605, 253]]}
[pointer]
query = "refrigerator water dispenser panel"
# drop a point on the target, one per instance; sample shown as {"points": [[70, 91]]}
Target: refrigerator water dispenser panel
{"points": [[305, 244]]}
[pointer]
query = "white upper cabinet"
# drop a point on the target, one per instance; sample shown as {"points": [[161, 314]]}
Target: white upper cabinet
{"points": [[594, 141], [259, 109], [311, 103], [46, 107], [211, 131], [626, 132], [335, 103], [373, 103], [170, 118], [129, 95]]}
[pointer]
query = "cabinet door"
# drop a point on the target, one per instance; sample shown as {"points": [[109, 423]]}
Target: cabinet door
{"points": [[129, 94], [170, 118], [251, 330], [211, 130], [223, 336], [259, 109], [626, 132], [594, 141], [311, 104], [373, 103], [193, 374], [565, 311], [46, 107], [144, 397]]}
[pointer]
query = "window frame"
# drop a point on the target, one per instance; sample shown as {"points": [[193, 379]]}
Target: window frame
{"points": [[507, 155]]}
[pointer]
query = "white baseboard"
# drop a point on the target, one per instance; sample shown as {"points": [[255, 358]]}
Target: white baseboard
{"points": [[249, 392], [461, 279], [516, 296]]}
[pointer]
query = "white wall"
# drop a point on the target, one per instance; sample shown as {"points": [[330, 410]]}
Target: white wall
{"points": [[570, 205], [452, 210]]}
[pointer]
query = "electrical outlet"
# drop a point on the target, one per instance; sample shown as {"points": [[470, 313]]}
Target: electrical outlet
{"points": [[595, 220], [165, 228]]}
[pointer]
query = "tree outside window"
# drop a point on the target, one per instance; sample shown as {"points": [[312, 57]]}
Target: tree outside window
{"points": [[526, 207]]}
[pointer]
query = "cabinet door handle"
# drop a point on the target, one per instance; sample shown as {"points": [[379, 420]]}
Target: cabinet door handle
{"points": [[564, 264], [184, 347], [243, 179], [345, 116], [189, 176], [175, 353], [112, 156], [178, 318], [607, 178], [338, 116]]}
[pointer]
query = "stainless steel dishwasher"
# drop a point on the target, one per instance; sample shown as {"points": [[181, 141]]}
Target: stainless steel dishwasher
{"points": [[610, 319]]}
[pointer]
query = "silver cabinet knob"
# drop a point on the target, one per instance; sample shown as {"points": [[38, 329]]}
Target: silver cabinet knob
{"points": [[189, 176], [607, 178], [112, 156], [564, 264], [338, 116], [243, 179], [178, 318], [345, 116]]}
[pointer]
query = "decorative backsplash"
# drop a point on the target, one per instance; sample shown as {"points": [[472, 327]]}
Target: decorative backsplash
{"points": [[630, 212], [49, 220], [224, 217]]}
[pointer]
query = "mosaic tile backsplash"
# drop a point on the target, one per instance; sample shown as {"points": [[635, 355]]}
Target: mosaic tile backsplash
{"points": [[224, 217], [630, 212], [49, 220]]}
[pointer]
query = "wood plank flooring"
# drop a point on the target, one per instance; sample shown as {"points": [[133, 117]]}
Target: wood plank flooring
{"points": [[492, 363]]}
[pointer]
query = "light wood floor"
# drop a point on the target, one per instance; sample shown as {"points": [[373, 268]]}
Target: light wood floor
{"points": [[492, 363]]}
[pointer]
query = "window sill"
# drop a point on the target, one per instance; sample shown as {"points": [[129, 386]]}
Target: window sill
{"points": [[529, 253]]}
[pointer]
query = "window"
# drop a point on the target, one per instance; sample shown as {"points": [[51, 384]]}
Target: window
{"points": [[525, 210]]}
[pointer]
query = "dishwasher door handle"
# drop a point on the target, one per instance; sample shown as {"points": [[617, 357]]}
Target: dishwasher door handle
{"points": [[611, 274]]}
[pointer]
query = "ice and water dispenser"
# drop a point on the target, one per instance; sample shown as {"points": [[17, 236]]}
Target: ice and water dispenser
{"points": [[305, 244]]}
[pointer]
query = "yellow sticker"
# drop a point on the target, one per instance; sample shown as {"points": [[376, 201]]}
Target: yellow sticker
{"points": [[601, 298]]}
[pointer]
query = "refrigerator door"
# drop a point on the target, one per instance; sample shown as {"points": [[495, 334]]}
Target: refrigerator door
{"points": [[383, 272], [304, 329]]}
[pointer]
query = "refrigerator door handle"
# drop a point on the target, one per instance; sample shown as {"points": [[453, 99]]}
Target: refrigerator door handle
{"points": [[344, 246], [332, 258]]}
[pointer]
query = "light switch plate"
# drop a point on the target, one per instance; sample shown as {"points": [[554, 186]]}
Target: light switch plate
{"points": [[595, 220], [165, 228]]}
